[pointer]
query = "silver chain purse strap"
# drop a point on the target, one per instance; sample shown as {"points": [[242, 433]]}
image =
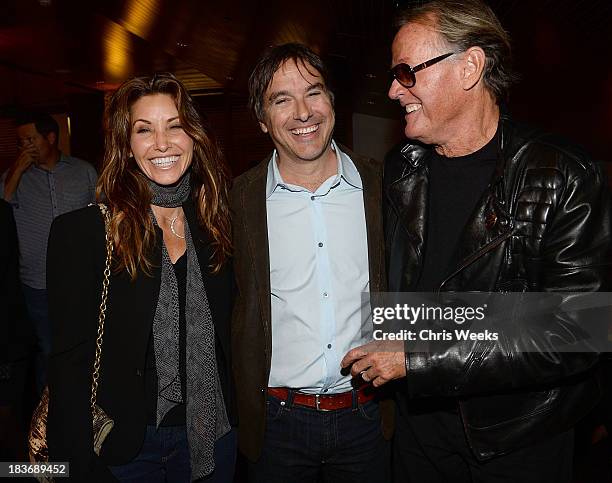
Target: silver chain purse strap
{"points": [[102, 423]]}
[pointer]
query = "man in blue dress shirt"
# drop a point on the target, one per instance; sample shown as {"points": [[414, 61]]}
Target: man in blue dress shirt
{"points": [[308, 244]]}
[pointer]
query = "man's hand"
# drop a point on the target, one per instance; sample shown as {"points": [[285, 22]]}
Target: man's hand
{"points": [[13, 176], [377, 361]]}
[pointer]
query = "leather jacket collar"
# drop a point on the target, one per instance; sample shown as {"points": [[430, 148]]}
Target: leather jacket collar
{"points": [[407, 186]]}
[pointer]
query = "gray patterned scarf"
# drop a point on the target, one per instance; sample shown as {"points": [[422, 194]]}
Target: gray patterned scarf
{"points": [[205, 409]]}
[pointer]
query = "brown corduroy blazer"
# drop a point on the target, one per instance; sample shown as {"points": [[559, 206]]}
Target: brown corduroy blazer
{"points": [[251, 327]]}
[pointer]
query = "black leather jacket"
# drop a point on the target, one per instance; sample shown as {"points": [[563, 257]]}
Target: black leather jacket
{"points": [[543, 224]]}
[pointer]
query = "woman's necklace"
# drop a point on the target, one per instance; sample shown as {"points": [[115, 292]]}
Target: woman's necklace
{"points": [[172, 228]]}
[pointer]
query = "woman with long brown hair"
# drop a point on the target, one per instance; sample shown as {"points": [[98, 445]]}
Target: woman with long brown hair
{"points": [[164, 373]]}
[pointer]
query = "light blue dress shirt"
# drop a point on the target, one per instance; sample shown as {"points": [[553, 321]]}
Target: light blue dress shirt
{"points": [[318, 271]]}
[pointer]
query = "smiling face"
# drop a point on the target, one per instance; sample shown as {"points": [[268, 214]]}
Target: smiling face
{"points": [[160, 146], [434, 105], [298, 114]]}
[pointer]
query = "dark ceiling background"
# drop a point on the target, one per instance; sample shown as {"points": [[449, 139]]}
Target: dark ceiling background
{"points": [[64, 55]]}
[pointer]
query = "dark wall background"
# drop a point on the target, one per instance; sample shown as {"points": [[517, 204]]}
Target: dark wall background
{"points": [[564, 55]]}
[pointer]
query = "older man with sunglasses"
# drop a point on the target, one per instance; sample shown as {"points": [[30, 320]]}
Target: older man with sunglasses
{"points": [[479, 203]]}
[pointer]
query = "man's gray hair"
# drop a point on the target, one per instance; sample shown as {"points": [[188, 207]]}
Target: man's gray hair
{"points": [[469, 23]]}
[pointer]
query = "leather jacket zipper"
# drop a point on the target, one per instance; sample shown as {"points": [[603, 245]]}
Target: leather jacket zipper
{"points": [[475, 256], [493, 243]]}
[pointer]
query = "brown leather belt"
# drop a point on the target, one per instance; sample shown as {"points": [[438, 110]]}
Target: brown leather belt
{"points": [[324, 402]]}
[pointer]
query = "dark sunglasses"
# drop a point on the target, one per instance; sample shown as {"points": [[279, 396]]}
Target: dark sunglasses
{"points": [[405, 75]]}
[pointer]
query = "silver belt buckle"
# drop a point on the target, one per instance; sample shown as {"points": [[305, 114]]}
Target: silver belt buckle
{"points": [[318, 404]]}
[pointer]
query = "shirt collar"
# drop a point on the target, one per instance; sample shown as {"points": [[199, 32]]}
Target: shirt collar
{"points": [[62, 159], [346, 171]]}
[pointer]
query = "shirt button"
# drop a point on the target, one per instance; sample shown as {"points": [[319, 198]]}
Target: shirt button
{"points": [[320, 244], [325, 390], [312, 198], [329, 346], [325, 294]]}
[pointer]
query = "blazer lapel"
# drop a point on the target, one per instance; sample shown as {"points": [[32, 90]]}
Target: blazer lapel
{"points": [[253, 205], [371, 177], [136, 301]]}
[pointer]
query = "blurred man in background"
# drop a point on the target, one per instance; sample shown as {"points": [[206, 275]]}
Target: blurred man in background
{"points": [[42, 184]]}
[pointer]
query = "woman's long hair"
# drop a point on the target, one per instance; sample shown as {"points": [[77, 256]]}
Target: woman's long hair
{"points": [[125, 189]]}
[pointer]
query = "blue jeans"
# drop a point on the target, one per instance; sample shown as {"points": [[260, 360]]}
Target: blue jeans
{"points": [[38, 312], [164, 457], [305, 445]]}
